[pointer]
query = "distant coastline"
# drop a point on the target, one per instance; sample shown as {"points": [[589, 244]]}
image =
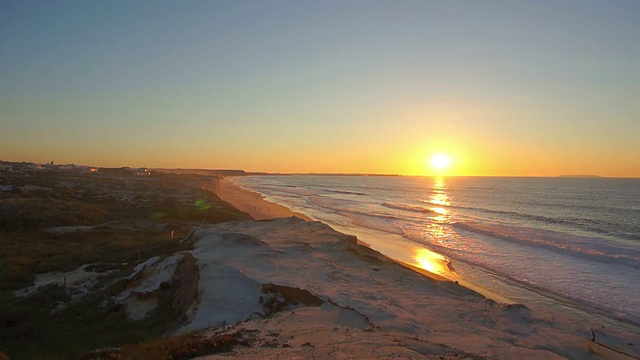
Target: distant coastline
{"points": [[579, 176]]}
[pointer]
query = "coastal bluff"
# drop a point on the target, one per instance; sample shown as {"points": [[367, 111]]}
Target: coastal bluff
{"points": [[299, 289]]}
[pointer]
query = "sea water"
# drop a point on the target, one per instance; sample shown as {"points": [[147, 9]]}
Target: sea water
{"points": [[573, 239]]}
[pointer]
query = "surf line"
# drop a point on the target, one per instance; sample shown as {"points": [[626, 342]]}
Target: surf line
{"points": [[597, 347]]}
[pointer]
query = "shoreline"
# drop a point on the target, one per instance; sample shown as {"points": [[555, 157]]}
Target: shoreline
{"points": [[261, 209], [253, 203], [541, 321], [426, 261]]}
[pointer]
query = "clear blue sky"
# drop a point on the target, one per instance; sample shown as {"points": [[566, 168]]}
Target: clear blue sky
{"points": [[504, 87]]}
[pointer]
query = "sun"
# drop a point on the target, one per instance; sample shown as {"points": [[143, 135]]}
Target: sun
{"points": [[440, 161]]}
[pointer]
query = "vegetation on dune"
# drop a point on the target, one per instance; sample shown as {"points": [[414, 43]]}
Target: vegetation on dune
{"points": [[183, 347], [32, 213], [130, 216], [40, 325], [121, 220], [22, 258]]}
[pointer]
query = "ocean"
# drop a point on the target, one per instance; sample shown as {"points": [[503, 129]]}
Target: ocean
{"points": [[574, 241]]}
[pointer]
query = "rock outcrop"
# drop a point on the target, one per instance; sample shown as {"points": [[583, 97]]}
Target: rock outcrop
{"points": [[168, 284]]}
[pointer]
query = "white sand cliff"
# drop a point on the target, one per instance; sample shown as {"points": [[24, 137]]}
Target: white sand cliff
{"points": [[368, 306]]}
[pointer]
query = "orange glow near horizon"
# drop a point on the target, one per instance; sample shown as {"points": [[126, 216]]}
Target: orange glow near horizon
{"points": [[467, 157]]}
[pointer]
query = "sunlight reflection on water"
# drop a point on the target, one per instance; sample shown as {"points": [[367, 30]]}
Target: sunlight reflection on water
{"points": [[432, 262]]}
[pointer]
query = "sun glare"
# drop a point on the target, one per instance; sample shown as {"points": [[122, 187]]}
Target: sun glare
{"points": [[440, 161], [432, 262]]}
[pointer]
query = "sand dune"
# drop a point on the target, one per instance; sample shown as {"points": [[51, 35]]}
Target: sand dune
{"points": [[370, 306]]}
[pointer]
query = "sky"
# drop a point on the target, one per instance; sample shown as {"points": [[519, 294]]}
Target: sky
{"points": [[504, 88]]}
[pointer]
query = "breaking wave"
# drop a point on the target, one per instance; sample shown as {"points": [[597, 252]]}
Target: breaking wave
{"points": [[411, 208], [573, 245]]}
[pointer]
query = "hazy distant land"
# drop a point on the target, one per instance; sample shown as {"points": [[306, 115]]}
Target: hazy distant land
{"points": [[579, 176]]}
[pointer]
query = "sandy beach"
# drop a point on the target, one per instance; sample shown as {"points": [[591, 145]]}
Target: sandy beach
{"points": [[338, 299], [253, 203]]}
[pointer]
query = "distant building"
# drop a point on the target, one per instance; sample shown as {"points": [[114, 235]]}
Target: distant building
{"points": [[32, 166], [142, 172], [88, 169], [6, 167]]}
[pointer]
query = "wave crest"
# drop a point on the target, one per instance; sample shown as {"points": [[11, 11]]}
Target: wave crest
{"points": [[573, 245], [411, 208]]}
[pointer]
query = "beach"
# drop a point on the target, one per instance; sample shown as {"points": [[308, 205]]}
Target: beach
{"points": [[532, 240], [253, 203], [344, 300]]}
